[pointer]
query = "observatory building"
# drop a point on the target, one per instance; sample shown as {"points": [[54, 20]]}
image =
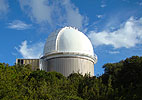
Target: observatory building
{"points": [[66, 51]]}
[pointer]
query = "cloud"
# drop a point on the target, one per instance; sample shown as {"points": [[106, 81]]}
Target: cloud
{"points": [[114, 52], [18, 25], [55, 13], [128, 35], [37, 9], [30, 51], [74, 18], [99, 16], [3, 7], [103, 5]]}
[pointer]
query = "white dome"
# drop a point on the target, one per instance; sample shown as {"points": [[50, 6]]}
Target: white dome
{"points": [[69, 40]]}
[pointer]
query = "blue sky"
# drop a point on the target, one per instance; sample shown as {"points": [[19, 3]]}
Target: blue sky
{"points": [[113, 26]]}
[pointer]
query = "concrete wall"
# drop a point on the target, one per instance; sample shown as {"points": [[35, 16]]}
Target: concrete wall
{"points": [[68, 65], [33, 62]]}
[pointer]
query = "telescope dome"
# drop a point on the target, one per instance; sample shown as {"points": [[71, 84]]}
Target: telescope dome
{"points": [[68, 40]]}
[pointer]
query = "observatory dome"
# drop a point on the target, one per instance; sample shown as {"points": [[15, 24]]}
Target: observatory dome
{"points": [[68, 50], [69, 41]]}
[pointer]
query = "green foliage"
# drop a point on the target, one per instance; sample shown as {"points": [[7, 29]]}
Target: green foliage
{"points": [[126, 78], [121, 81]]}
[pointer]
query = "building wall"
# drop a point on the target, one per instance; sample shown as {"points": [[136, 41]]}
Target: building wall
{"points": [[68, 65], [33, 62]]}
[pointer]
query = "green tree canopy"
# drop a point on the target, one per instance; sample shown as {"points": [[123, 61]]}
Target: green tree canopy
{"points": [[120, 81]]}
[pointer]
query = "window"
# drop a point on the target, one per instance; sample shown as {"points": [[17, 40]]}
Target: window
{"points": [[22, 61], [18, 61]]}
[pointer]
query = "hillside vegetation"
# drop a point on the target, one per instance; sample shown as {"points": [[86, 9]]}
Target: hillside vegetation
{"points": [[120, 81]]}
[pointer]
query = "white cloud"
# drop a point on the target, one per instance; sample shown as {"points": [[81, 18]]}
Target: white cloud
{"points": [[56, 12], [128, 35], [103, 5], [37, 9], [30, 51], [99, 16], [3, 7], [114, 52], [74, 18], [18, 25]]}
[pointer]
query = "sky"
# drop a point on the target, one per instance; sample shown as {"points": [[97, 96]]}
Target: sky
{"points": [[113, 26]]}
